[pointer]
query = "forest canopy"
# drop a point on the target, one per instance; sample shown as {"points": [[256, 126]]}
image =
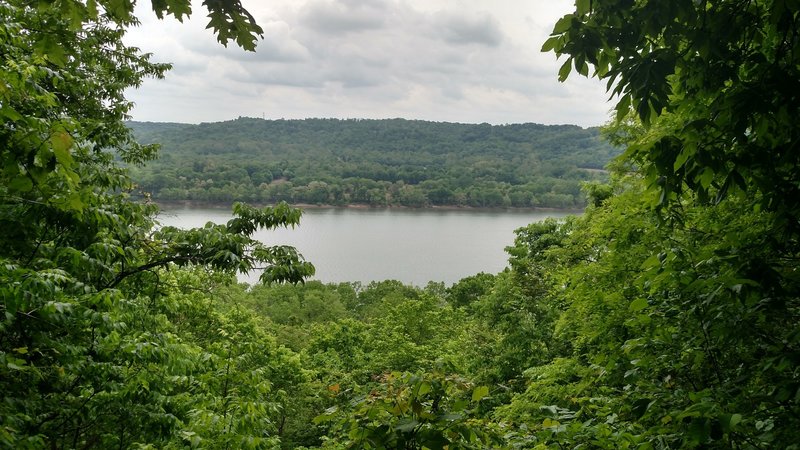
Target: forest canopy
{"points": [[373, 162]]}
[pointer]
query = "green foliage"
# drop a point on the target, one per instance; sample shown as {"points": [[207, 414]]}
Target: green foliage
{"points": [[415, 411], [658, 319], [355, 335], [230, 247], [238, 389], [377, 295], [347, 335], [300, 305], [723, 73], [98, 347], [163, 371], [695, 316], [468, 290], [666, 336], [413, 334], [515, 315], [510, 332], [373, 162]]}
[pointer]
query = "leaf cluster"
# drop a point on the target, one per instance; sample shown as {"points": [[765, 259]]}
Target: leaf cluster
{"points": [[415, 411], [93, 350], [713, 83]]}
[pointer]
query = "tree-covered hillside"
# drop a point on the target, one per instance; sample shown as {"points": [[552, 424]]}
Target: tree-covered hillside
{"points": [[373, 162]]}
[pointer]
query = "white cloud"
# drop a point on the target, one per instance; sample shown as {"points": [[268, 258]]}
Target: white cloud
{"points": [[443, 60]]}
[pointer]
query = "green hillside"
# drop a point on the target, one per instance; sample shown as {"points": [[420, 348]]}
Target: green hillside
{"points": [[373, 162]]}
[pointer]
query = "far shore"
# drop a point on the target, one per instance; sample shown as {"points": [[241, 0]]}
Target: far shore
{"points": [[176, 204]]}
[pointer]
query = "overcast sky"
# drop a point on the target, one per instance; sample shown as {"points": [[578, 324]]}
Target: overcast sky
{"points": [[466, 61]]}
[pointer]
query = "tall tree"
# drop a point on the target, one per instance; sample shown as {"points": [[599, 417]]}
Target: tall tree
{"points": [[726, 73], [706, 104], [80, 263]]}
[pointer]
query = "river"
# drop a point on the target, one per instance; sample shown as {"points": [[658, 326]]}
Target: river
{"points": [[413, 246]]}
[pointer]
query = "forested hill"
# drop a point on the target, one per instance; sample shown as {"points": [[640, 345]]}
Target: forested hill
{"points": [[373, 162]]}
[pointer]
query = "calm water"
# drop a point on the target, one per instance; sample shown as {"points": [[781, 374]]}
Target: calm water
{"points": [[412, 246]]}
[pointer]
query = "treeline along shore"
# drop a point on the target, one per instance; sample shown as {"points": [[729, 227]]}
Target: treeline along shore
{"points": [[377, 163]]}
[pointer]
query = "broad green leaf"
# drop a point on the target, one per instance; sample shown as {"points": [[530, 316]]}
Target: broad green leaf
{"points": [[652, 261], [683, 156], [730, 421], [563, 24], [583, 6], [424, 388], [407, 426], [10, 113], [20, 183], [120, 9], [549, 410], [75, 202], [479, 393], [91, 9], [706, 177], [582, 67], [550, 43], [638, 304], [563, 72], [550, 423], [51, 49], [61, 143]]}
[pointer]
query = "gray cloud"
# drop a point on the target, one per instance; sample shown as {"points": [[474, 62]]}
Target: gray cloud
{"points": [[445, 60], [278, 45], [476, 28], [343, 16]]}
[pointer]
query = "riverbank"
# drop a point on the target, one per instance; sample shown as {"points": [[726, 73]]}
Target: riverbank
{"points": [[174, 204]]}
